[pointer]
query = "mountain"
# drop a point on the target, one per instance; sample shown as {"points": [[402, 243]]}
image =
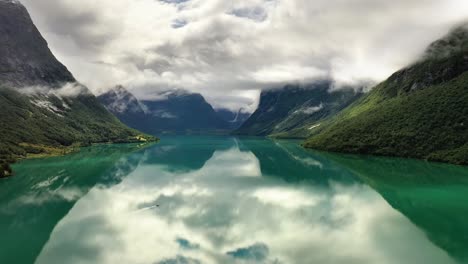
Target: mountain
{"points": [[234, 118], [125, 106], [25, 58], [420, 112], [287, 112], [172, 112], [44, 110]]}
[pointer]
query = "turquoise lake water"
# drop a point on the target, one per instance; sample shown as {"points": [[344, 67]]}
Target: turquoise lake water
{"points": [[232, 200]]}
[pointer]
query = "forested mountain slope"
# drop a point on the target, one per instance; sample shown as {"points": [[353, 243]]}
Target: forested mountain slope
{"points": [[421, 111], [43, 109]]}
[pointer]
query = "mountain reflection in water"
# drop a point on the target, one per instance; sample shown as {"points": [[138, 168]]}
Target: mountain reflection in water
{"points": [[231, 200]]}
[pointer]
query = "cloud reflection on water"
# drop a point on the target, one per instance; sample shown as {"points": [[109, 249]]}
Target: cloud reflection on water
{"points": [[234, 214]]}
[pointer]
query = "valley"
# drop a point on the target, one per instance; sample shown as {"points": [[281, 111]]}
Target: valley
{"points": [[233, 132]]}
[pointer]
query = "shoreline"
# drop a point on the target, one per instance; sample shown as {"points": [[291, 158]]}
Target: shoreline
{"points": [[6, 170], [375, 155]]}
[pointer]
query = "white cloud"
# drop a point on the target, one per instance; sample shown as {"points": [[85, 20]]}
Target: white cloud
{"points": [[219, 47]]}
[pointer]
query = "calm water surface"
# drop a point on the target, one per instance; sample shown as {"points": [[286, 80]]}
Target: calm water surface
{"points": [[226, 200]]}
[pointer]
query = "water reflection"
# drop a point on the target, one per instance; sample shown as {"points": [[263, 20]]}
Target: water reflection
{"points": [[432, 196], [43, 191], [225, 200]]}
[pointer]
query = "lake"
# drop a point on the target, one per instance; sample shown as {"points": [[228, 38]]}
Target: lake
{"points": [[232, 200]]}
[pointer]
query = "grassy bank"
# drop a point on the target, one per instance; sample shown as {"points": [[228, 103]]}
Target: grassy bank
{"points": [[34, 151]]}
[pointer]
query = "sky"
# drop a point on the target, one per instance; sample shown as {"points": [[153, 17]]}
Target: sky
{"points": [[229, 50]]}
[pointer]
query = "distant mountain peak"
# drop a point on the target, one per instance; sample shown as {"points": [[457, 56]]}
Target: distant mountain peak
{"points": [[120, 100], [119, 88], [170, 111]]}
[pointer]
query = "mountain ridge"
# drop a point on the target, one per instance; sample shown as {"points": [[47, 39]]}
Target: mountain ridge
{"points": [[287, 112], [44, 109], [168, 112], [420, 111]]}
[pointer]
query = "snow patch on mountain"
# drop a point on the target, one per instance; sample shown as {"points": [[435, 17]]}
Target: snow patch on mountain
{"points": [[54, 99], [124, 104], [119, 100], [45, 104]]}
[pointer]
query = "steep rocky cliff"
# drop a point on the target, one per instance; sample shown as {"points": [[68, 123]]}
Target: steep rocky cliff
{"points": [[291, 110], [43, 109], [25, 58]]}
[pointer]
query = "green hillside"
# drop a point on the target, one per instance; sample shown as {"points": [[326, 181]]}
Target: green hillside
{"points": [[27, 129], [44, 111], [420, 111]]}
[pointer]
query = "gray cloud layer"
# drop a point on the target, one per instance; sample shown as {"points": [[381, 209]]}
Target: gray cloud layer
{"points": [[228, 50]]}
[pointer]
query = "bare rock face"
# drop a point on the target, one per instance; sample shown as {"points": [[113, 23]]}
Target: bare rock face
{"points": [[25, 58]]}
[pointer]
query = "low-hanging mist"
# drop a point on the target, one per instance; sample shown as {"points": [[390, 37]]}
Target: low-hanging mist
{"points": [[228, 50]]}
